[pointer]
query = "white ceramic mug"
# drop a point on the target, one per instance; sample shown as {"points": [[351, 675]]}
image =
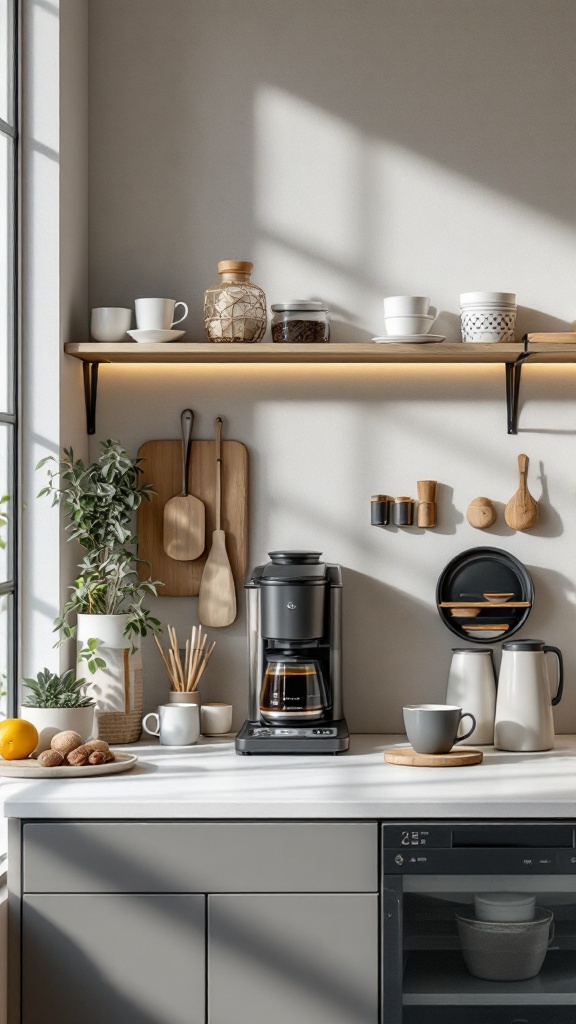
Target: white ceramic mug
{"points": [[110, 323], [216, 719], [158, 314], [406, 305], [177, 725]]}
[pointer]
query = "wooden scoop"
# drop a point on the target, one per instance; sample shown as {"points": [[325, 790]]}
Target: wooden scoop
{"points": [[217, 596], [521, 512], [184, 515]]}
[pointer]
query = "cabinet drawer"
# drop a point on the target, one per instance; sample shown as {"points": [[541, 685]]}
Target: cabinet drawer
{"points": [[200, 857]]}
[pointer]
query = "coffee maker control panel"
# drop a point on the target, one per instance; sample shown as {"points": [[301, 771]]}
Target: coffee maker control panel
{"points": [[305, 731]]}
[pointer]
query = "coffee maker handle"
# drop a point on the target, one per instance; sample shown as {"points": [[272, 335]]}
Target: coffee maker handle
{"points": [[558, 653]]}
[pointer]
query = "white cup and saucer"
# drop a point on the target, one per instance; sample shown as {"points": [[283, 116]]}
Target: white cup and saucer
{"points": [[409, 319], [155, 320]]}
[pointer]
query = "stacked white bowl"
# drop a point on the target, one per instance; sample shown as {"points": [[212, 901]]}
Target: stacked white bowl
{"points": [[408, 315], [488, 316]]}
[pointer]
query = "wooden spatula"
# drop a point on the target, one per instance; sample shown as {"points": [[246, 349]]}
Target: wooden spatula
{"points": [[521, 512], [184, 515], [217, 596]]}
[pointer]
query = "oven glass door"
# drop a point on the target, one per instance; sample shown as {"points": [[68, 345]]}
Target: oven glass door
{"points": [[434, 951]]}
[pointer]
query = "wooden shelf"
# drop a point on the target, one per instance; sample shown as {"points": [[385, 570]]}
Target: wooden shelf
{"points": [[511, 356], [202, 352]]}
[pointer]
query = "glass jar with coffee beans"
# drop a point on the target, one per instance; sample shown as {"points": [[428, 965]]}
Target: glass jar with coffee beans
{"points": [[301, 322]]}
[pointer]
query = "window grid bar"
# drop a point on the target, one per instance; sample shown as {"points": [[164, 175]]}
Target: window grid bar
{"points": [[8, 417], [14, 655], [8, 129], [6, 588]]}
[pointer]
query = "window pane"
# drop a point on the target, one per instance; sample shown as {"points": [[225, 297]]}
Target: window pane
{"points": [[6, 502], [6, 63], [6, 271], [6, 607]]}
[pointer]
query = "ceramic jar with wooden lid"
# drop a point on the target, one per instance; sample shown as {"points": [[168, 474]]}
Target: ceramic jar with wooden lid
{"points": [[235, 310]]}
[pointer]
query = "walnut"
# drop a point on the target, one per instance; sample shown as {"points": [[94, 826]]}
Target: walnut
{"points": [[78, 756], [66, 741], [50, 758], [97, 757]]}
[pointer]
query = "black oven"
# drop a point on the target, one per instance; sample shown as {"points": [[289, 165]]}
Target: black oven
{"points": [[434, 876]]}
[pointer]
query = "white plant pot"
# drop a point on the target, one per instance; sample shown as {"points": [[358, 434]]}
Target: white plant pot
{"points": [[49, 721], [108, 629]]}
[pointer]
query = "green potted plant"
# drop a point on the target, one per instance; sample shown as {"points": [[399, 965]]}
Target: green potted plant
{"points": [[106, 611], [99, 501], [55, 703]]}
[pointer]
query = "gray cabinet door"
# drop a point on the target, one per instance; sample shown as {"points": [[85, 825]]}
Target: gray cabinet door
{"points": [[137, 959], [286, 958]]}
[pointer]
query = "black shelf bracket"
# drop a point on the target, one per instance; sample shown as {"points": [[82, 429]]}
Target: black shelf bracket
{"points": [[90, 391], [513, 371]]}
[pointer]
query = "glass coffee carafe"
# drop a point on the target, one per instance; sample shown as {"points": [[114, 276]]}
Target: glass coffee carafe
{"points": [[293, 689]]}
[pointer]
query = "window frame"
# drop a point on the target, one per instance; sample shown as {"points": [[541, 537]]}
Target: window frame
{"points": [[11, 587]]}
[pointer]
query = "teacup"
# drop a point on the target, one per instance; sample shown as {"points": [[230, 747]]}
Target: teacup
{"points": [[406, 305], [433, 728], [158, 314]]}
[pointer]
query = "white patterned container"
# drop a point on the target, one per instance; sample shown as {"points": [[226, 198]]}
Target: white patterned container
{"points": [[488, 316]]}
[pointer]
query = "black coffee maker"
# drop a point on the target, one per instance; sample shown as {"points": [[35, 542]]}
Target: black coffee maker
{"points": [[294, 607]]}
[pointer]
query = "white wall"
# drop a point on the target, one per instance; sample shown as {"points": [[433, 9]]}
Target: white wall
{"points": [[351, 149]]}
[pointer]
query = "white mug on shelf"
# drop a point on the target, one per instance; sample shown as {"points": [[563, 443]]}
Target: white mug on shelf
{"points": [[158, 314], [110, 323], [177, 725]]}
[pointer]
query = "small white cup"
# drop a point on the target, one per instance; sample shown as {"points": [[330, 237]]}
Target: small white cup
{"points": [[406, 305], [158, 314], [216, 719], [177, 725], [110, 323]]}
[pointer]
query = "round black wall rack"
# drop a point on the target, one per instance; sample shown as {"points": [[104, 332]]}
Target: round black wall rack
{"points": [[484, 594]]}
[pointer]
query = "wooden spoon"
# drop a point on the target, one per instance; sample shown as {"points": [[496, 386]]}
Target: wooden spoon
{"points": [[521, 512], [184, 515], [217, 595]]}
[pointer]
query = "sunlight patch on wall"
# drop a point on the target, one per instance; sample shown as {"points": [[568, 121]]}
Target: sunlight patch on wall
{"points": [[307, 167]]}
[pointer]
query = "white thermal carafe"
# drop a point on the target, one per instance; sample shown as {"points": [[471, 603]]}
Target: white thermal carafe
{"points": [[524, 704], [472, 685]]}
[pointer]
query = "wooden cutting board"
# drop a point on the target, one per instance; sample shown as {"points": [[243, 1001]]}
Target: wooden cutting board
{"points": [[453, 759], [162, 467]]}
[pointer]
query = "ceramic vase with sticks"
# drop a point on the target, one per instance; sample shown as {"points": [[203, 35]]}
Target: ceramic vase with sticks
{"points": [[184, 674]]}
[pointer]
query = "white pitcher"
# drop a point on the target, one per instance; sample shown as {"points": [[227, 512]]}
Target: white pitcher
{"points": [[524, 704], [472, 685]]}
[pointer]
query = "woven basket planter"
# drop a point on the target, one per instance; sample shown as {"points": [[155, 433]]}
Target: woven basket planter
{"points": [[118, 689]]}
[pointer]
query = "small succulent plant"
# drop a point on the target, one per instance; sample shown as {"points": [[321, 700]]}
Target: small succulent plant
{"points": [[49, 690]]}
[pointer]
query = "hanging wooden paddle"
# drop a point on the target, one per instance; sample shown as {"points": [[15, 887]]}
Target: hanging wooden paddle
{"points": [[521, 512], [184, 515], [217, 596]]}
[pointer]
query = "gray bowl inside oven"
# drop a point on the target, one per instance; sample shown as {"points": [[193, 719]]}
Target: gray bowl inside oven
{"points": [[505, 951]]}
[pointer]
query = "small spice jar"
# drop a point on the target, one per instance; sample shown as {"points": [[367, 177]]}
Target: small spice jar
{"points": [[403, 512], [235, 311], [380, 509], [301, 322]]}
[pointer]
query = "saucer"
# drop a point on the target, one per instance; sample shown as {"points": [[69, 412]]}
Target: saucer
{"points": [[155, 336], [409, 339]]}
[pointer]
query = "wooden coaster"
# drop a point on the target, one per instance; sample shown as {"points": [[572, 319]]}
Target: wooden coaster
{"points": [[453, 759]]}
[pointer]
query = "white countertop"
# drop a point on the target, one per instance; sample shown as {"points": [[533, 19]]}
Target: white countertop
{"points": [[209, 780]]}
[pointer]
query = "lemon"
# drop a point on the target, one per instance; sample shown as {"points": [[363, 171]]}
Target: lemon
{"points": [[18, 738]]}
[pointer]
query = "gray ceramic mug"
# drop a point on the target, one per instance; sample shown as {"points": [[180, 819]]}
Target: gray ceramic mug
{"points": [[433, 728]]}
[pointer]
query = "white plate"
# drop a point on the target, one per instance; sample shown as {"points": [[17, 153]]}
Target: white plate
{"points": [[155, 336], [410, 339], [28, 768]]}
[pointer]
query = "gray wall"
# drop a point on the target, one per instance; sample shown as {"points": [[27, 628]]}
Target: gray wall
{"points": [[351, 150]]}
